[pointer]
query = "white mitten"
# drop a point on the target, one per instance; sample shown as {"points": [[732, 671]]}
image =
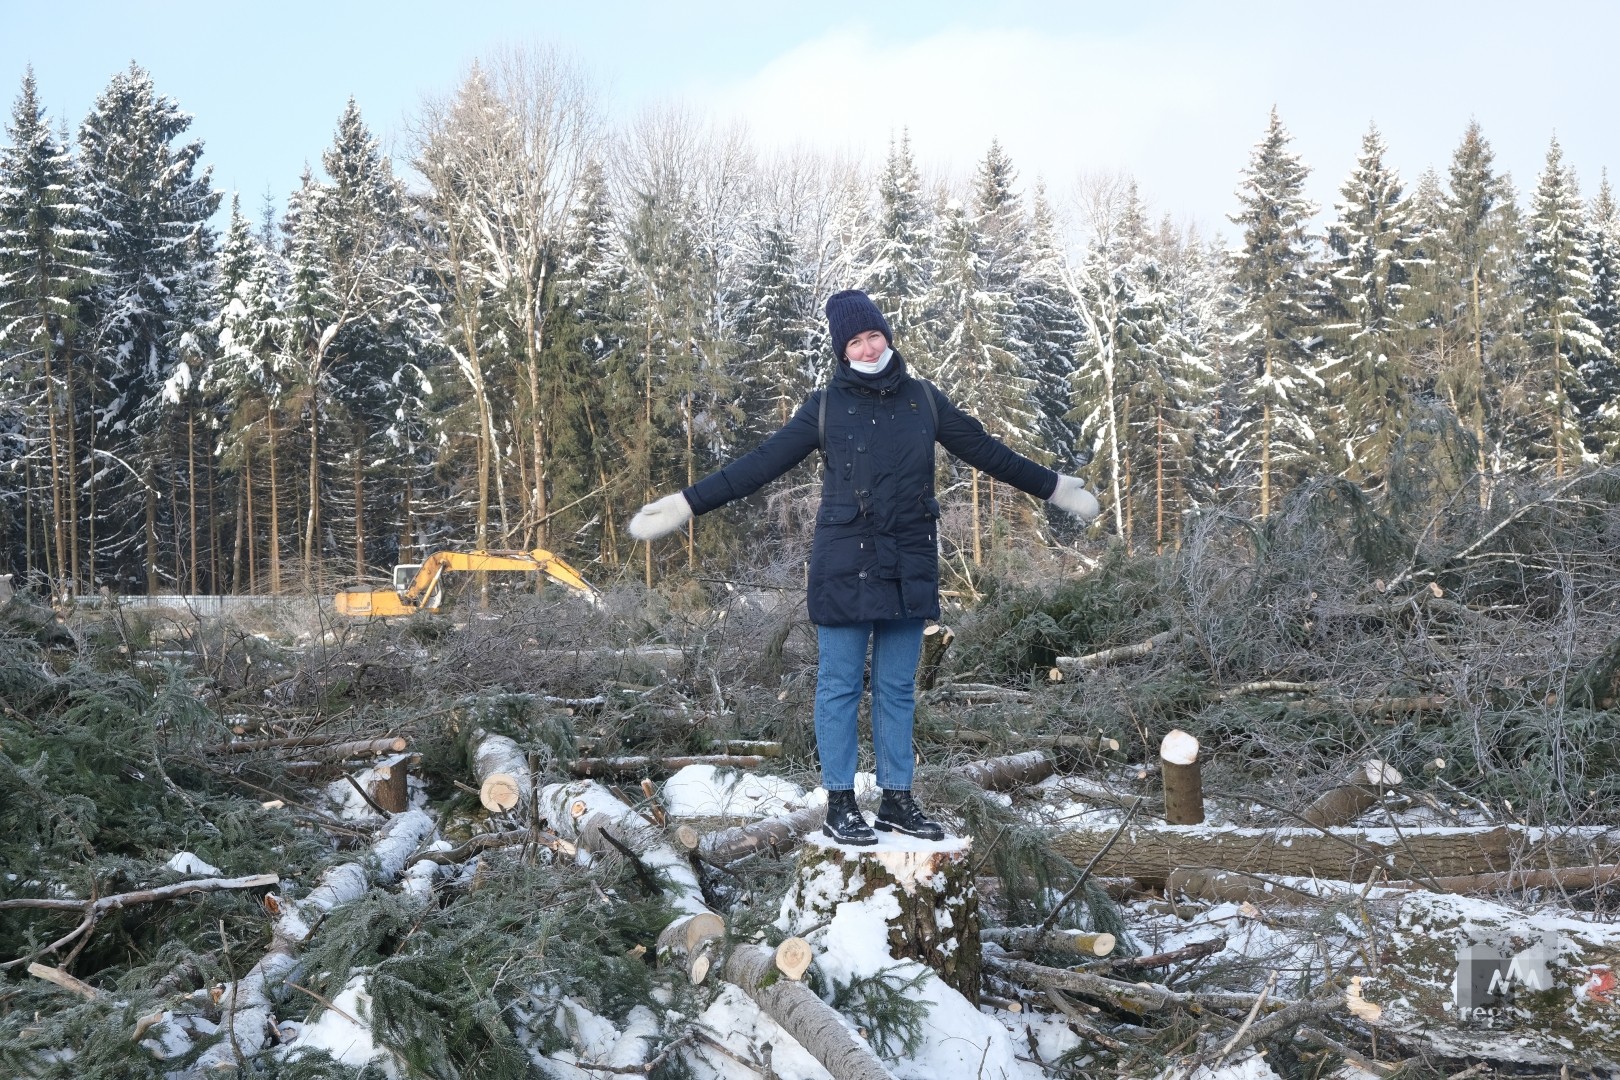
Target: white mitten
{"points": [[1071, 495], [663, 516]]}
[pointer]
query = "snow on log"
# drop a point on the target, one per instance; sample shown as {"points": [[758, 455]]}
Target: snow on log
{"points": [[1355, 796], [813, 1023], [502, 768], [1004, 773], [1149, 852], [937, 914], [1183, 784], [249, 1001]]}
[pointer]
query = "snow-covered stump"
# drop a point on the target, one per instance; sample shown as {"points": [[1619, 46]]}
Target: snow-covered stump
{"points": [[937, 922], [1465, 977]]}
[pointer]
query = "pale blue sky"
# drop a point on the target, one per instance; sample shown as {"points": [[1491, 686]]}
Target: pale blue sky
{"points": [[1175, 93]]}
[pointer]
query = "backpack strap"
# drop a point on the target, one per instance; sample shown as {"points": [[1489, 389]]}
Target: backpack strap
{"points": [[821, 427], [933, 404]]}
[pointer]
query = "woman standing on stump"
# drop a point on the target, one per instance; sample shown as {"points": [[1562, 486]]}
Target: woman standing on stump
{"points": [[874, 564]]}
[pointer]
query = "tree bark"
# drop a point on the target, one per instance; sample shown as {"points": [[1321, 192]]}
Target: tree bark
{"points": [[1364, 787], [812, 1022], [1150, 852], [1005, 773]]}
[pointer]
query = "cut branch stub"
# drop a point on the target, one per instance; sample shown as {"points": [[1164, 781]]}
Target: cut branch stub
{"points": [[1343, 804], [1183, 785], [692, 941]]}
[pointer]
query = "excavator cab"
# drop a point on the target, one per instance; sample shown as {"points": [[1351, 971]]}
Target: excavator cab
{"points": [[420, 586]]}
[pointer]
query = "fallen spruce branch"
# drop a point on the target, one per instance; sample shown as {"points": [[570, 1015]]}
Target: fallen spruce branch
{"points": [[95, 910], [1137, 998], [1195, 951]]}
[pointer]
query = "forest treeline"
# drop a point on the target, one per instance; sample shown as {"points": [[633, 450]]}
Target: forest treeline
{"points": [[552, 320]]}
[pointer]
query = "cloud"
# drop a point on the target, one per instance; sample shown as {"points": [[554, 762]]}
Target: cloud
{"points": [[1061, 105]]}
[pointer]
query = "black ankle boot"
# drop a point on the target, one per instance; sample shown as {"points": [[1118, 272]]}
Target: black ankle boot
{"points": [[844, 821], [899, 812]]}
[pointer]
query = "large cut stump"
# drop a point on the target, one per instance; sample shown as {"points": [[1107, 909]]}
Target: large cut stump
{"points": [[932, 883]]}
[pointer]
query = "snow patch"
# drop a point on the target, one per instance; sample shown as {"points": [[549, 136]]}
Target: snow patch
{"points": [[184, 862]]}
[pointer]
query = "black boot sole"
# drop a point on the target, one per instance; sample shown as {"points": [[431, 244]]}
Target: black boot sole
{"points": [[889, 826], [858, 841]]}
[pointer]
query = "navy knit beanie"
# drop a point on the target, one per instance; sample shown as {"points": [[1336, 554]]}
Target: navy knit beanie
{"points": [[850, 313]]}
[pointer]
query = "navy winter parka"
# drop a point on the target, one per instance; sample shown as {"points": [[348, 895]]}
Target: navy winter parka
{"points": [[876, 553]]}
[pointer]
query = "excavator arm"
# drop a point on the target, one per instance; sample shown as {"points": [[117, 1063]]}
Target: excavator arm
{"points": [[423, 591]]}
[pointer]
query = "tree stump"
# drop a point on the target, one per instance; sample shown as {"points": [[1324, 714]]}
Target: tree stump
{"points": [[938, 920]]}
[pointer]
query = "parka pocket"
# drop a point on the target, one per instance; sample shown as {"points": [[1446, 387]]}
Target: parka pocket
{"points": [[836, 513]]}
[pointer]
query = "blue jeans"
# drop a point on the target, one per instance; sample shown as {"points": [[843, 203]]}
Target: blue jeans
{"points": [[895, 645]]}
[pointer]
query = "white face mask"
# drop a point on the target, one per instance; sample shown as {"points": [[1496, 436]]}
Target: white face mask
{"points": [[872, 367]]}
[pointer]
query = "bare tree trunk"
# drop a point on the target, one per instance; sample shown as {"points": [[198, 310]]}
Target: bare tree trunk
{"points": [[191, 489], [312, 513], [1265, 445], [358, 476], [58, 521], [275, 506], [978, 549], [151, 531], [1479, 397], [73, 471]]}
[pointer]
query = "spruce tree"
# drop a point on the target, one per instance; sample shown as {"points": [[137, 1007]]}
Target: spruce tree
{"points": [[1563, 340], [971, 320], [1601, 375], [48, 256], [898, 273], [359, 328], [1050, 335], [1273, 439], [249, 385], [1474, 267], [152, 204], [1369, 257]]}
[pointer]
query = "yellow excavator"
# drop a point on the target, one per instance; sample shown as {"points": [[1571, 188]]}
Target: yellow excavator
{"points": [[420, 586]]}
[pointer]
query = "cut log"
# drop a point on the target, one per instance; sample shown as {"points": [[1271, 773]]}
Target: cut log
{"points": [[793, 957], [1359, 793], [1149, 852], [1183, 784], [1034, 939], [747, 747], [977, 694], [775, 835], [813, 1023], [641, 766], [938, 908], [598, 822], [390, 788], [1005, 773], [1069, 665], [502, 768], [1093, 744], [693, 940], [937, 639], [318, 746], [248, 1001]]}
